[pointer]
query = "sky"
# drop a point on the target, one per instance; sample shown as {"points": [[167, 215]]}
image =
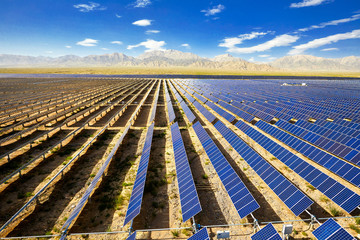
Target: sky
{"points": [[255, 30]]}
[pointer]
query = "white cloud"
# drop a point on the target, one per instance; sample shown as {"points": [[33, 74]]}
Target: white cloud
{"points": [[324, 41], [308, 3], [143, 22], [150, 45], [272, 58], [152, 31], [68, 46], [252, 59], [185, 45], [118, 16], [279, 41], [49, 52], [331, 23], [142, 3], [264, 56], [214, 10], [105, 49], [117, 42], [231, 42], [89, 7], [88, 42], [329, 49]]}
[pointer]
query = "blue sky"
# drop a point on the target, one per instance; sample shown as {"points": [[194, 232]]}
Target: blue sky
{"points": [[260, 30]]}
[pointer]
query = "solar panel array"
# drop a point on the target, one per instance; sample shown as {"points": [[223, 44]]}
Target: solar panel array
{"points": [[341, 195], [190, 204], [200, 235], [331, 230], [242, 199], [294, 199], [138, 188], [334, 164], [132, 236], [267, 233]]}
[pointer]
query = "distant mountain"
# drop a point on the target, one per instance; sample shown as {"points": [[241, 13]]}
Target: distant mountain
{"points": [[311, 63], [174, 58]]}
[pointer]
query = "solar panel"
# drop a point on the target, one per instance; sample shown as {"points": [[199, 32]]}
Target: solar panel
{"points": [[189, 114], [208, 115], [331, 230], [138, 188], [242, 199], [132, 236], [293, 198], [190, 204], [152, 116], [221, 111], [341, 195], [340, 167], [171, 112], [200, 235], [267, 233]]}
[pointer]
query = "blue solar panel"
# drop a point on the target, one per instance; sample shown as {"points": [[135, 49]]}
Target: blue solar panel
{"points": [[200, 235], [190, 204], [331, 230], [138, 188], [340, 167], [267, 233], [171, 112], [221, 111], [295, 200], [132, 236], [208, 115], [189, 114], [338, 193], [242, 199]]}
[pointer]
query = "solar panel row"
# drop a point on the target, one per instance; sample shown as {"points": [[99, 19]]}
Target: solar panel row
{"points": [[267, 233], [244, 115], [221, 111], [334, 190], [208, 115], [138, 188], [334, 164], [242, 199], [170, 108], [346, 153], [293, 198], [331, 230], [190, 204], [156, 97]]}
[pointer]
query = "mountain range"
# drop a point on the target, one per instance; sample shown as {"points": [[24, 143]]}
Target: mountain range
{"points": [[174, 58]]}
